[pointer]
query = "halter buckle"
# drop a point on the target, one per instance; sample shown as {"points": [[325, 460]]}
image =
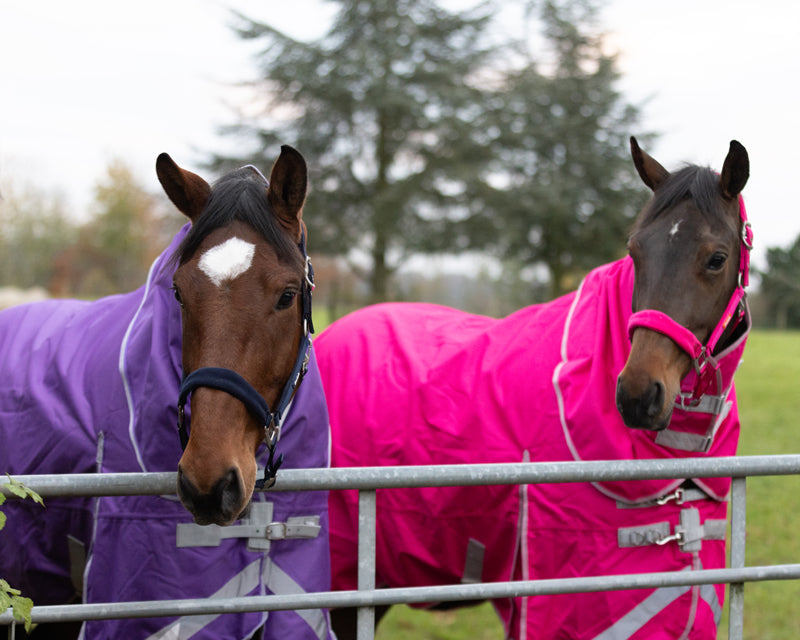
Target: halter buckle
{"points": [[309, 273], [272, 431], [699, 363], [747, 235]]}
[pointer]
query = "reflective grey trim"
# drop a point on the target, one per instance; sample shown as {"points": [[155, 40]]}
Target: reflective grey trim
{"points": [[473, 563], [709, 594], [281, 583], [642, 613], [684, 441], [241, 584]]}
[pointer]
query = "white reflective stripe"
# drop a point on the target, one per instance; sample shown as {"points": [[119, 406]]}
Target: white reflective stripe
{"points": [[121, 365], [240, 585], [281, 583]]}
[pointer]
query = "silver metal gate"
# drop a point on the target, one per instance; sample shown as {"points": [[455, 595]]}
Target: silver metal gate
{"points": [[368, 479]]}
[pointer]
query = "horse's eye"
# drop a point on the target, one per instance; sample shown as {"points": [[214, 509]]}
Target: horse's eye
{"points": [[177, 295], [286, 299], [716, 261]]}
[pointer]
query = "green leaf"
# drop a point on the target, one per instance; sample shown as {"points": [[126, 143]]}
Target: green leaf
{"points": [[21, 491], [21, 607], [7, 588], [2, 519]]}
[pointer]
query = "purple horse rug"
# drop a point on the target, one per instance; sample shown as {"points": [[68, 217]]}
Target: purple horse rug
{"points": [[415, 384], [92, 388]]}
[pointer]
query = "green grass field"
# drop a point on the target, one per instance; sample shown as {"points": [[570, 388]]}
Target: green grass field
{"points": [[768, 386]]}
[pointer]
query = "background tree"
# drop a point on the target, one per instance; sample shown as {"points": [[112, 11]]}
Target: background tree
{"points": [[115, 248], [383, 106], [780, 285], [34, 229], [563, 189], [422, 137]]}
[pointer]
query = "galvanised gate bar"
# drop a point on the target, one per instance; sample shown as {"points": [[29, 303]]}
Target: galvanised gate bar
{"points": [[367, 479]]}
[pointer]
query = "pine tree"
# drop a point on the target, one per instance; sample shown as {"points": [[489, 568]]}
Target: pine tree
{"points": [[780, 285], [422, 137], [563, 190], [383, 108]]}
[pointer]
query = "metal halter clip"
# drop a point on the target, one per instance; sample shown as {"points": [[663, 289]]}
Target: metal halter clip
{"points": [[677, 496], [677, 537]]}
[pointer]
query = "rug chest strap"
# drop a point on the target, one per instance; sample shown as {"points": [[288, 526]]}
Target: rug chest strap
{"points": [[258, 528], [689, 534]]}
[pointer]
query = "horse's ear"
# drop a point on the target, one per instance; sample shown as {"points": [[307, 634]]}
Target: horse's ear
{"points": [[650, 171], [288, 183], [735, 171], [188, 191]]}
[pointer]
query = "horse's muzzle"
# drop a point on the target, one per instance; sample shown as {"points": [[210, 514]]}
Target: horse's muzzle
{"points": [[645, 409], [222, 505]]}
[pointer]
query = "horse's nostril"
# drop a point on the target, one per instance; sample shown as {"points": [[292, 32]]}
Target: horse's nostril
{"points": [[229, 490], [656, 399], [186, 489]]}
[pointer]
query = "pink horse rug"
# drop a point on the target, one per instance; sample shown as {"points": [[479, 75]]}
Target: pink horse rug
{"points": [[93, 388], [412, 384]]}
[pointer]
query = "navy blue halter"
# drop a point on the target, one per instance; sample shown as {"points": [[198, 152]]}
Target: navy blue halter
{"points": [[231, 382]]}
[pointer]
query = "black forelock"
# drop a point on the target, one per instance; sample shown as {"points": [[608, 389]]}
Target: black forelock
{"points": [[238, 196], [699, 184]]}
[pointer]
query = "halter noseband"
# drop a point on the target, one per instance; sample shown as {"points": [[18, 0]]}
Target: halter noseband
{"points": [[702, 355], [234, 384]]}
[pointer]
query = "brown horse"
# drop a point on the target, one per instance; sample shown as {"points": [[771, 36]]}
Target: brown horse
{"points": [[229, 281], [221, 325], [636, 364], [692, 283]]}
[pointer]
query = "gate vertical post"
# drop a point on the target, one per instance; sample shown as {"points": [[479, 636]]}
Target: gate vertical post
{"points": [[738, 531], [365, 622]]}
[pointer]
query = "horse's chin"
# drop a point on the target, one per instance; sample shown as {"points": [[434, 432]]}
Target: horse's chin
{"points": [[647, 423], [219, 520]]}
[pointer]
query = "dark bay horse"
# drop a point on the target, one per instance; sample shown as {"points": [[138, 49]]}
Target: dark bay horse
{"points": [[638, 363], [217, 341]]}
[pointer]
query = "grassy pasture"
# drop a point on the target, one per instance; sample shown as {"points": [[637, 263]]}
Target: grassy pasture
{"points": [[768, 387]]}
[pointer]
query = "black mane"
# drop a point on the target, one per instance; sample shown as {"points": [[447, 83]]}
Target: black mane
{"points": [[239, 196]]}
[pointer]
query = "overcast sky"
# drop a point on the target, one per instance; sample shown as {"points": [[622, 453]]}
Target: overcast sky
{"points": [[86, 81]]}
